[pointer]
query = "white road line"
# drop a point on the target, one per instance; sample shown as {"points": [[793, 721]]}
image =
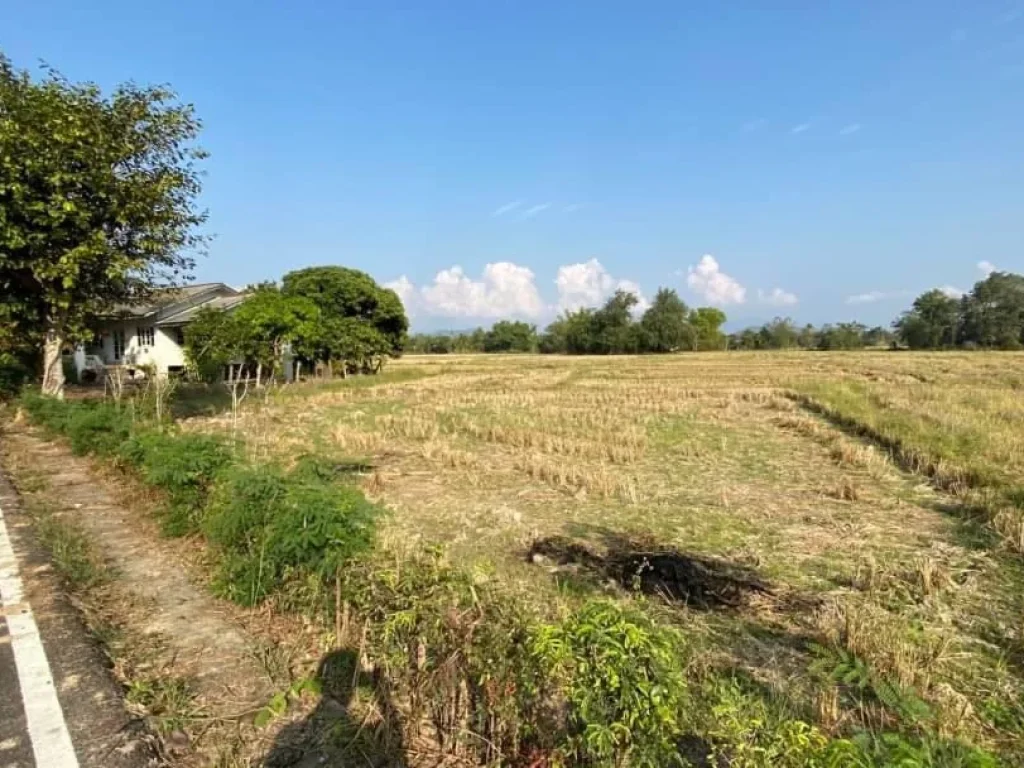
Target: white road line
{"points": [[51, 742]]}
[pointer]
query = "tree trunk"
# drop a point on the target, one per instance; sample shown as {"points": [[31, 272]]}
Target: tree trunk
{"points": [[53, 368]]}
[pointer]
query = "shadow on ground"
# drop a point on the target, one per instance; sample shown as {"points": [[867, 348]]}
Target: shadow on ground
{"points": [[338, 733], [701, 582]]}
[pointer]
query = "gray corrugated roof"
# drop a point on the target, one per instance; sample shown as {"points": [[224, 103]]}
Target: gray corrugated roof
{"points": [[166, 298], [188, 313]]}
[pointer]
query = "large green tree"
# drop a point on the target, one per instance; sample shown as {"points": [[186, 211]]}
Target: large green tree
{"points": [[341, 292], [707, 325], [931, 322], [511, 336], [666, 324], [97, 203], [993, 312]]}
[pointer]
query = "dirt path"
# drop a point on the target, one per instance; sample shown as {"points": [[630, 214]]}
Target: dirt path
{"points": [[189, 633]]}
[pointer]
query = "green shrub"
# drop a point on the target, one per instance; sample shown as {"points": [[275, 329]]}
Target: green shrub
{"points": [[67, 364], [96, 428], [267, 524], [869, 750], [90, 426], [625, 685], [48, 412], [184, 466], [745, 732]]}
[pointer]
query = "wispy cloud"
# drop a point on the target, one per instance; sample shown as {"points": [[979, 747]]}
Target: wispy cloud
{"points": [[846, 130], [777, 297], [800, 128], [501, 210], [573, 207], [753, 125], [1011, 16], [872, 297], [533, 210]]}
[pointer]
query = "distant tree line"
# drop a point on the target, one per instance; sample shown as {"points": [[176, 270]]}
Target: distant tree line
{"points": [[783, 333], [990, 316], [668, 325]]}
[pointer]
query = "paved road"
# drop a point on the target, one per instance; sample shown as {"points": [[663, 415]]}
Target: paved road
{"points": [[59, 707]]}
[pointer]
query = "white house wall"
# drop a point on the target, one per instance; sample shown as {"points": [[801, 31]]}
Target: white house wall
{"points": [[163, 353]]}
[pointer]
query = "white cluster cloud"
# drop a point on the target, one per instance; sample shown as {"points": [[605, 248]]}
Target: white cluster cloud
{"points": [[952, 291], [709, 282], [777, 297], [588, 284], [503, 290], [987, 267]]}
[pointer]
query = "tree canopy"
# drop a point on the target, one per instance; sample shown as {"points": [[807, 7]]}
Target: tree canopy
{"points": [[666, 323], [931, 322], [98, 203], [990, 316], [322, 315], [341, 292]]}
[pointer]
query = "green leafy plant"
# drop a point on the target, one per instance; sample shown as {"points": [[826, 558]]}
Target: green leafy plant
{"points": [[745, 732], [624, 683], [266, 523], [182, 465]]}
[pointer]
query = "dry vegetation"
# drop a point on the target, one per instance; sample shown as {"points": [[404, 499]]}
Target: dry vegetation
{"points": [[877, 495]]}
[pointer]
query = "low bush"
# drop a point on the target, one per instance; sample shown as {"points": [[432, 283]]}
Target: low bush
{"points": [[96, 428], [184, 466], [624, 681], [48, 412], [267, 524]]}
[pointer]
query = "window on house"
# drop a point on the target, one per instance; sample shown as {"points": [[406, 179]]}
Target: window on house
{"points": [[146, 335], [118, 341], [179, 335]]}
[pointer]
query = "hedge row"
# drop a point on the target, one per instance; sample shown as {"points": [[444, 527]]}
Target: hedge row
{"points": [[265, 525], [489, 676]]}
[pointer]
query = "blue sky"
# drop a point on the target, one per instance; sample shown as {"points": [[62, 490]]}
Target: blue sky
{"points": [[825, 161]]}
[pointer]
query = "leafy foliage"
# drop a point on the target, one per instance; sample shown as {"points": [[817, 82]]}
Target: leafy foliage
{"points": [[340, 293], [666, 324], [182, 465], [991, 316], [510, 336], [14, 374], [624, 682], [98, 195], [266, 523]]}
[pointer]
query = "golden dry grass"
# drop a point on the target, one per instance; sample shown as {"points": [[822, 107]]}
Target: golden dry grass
{"points": [[850, 481]]}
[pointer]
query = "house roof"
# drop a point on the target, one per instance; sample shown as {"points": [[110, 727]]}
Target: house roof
{"points": [[188, 313], [164, 297], [175, 306]]}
